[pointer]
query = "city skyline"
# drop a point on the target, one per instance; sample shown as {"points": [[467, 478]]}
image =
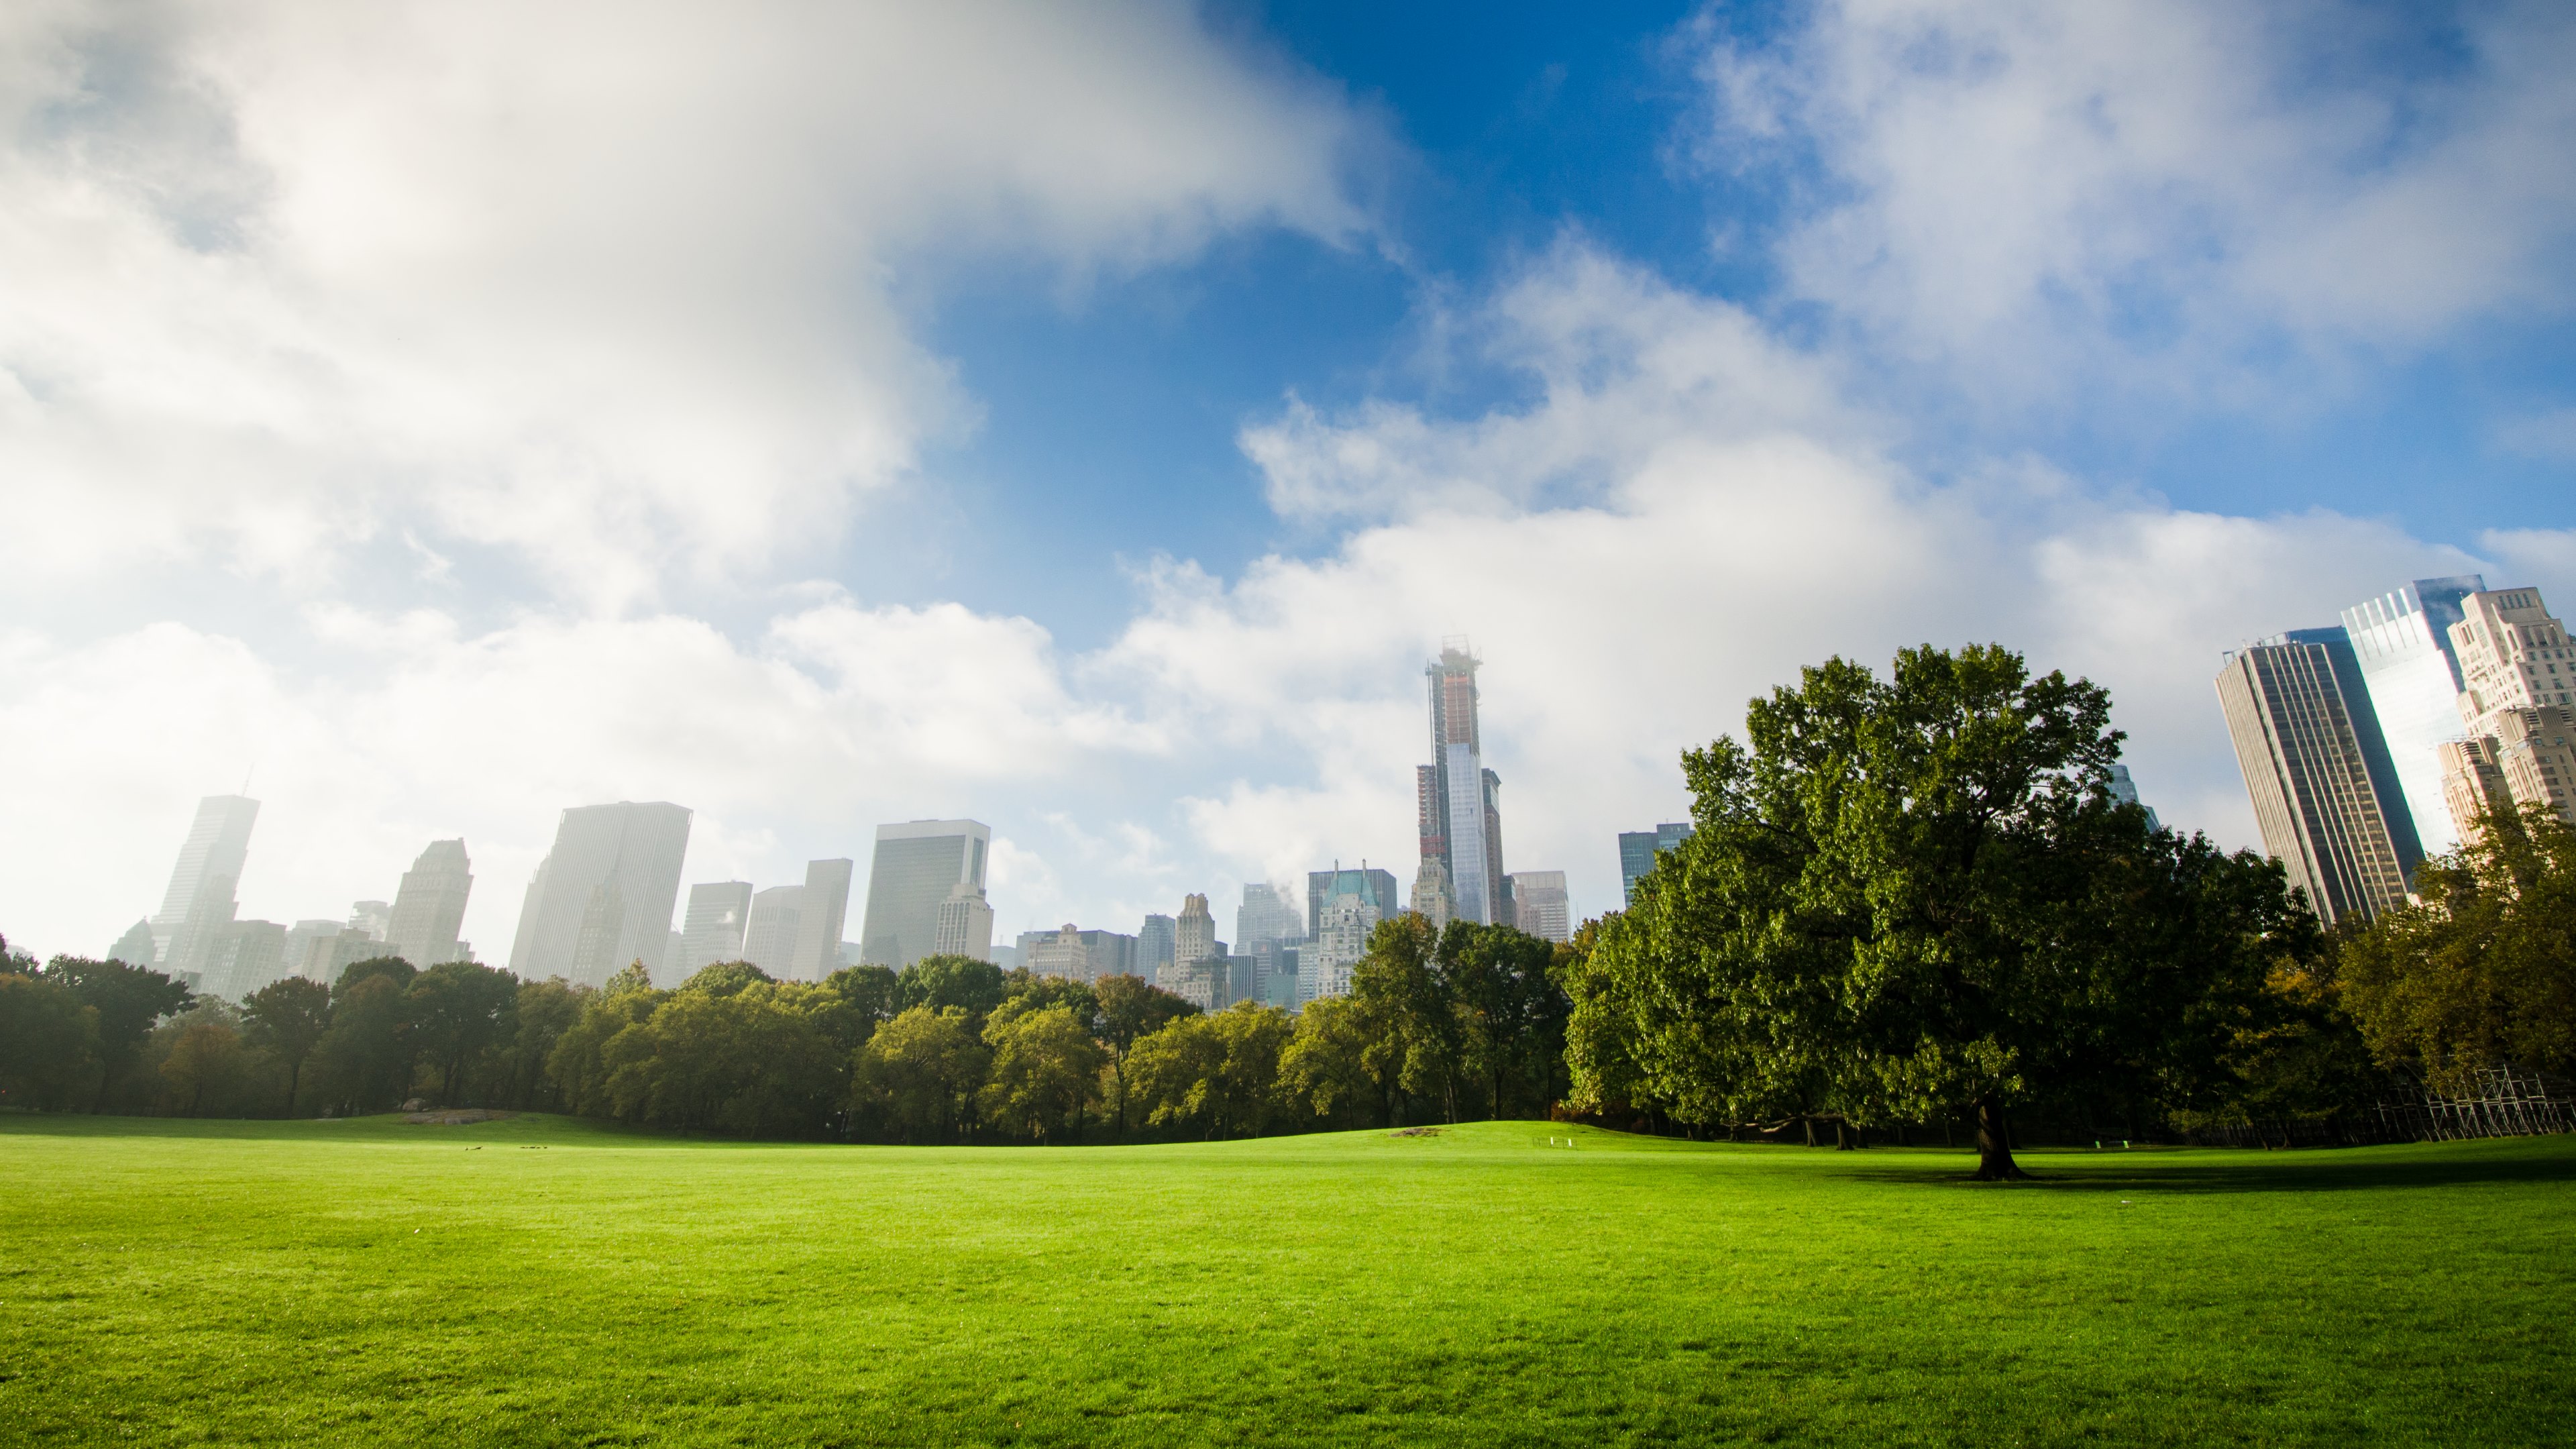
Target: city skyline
{"points": [[1116, 505]]}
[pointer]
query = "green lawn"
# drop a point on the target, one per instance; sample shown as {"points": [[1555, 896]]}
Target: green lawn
{"points": [[376, 1282]]}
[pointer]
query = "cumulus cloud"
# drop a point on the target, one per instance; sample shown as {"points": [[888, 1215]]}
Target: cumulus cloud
{"points": [[2180, 195], [1717, 547], [607, 288]]}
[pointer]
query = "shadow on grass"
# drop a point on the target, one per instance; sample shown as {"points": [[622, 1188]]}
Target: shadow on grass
{"points": [[2421, 1164]]}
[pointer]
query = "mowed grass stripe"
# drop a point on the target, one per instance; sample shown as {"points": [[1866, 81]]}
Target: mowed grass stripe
{"points": [[378, 1282]]}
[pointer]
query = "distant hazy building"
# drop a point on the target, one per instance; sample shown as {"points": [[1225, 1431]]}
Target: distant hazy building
{"points": [[1154, 945], [208, 872], [820, 916], [240, 957], [1431, 894], [1274, 973], [918, 864], [1637, 852], [777, 920], [2472, 784], [1376, 887], [2300, 720], [1458, 800], [713, 930], [1193, 931], [1324, 964], [2519, 672], [2125, 790], [965, 924], [1267, 914], [1540, 905], [429, 907], [135, 947], [2402, 640], [603, 896], [376, 918]]}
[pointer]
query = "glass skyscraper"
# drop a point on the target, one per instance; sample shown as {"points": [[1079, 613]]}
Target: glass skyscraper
{"points": [[918, 864], [2402, 641], [603, 897], [2324, 791], [1637, 851], [1458, 800]]}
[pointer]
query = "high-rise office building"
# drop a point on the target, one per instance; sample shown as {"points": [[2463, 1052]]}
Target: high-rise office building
{"points": [[1267, 914], [240, 957], [210, 865], [603, 897], [777, 920], [713, 928], [1193, 931], [429, 907], [2125, 790], [820, 916], [1376, 887], [965, 924], [374, 918], [1638, 849], [134, 948], [1342, 930], [2300, 719], [1540, 904], [917, 866], [2402, 640], [1431, 894], [1457, 800], [1154, 945], [2518, 673]]}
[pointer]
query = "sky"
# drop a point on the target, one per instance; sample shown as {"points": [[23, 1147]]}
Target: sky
{"points": [[1088, 420]]}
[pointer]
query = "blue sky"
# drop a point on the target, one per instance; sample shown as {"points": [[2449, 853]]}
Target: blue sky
{"points": [[1087, 420]]}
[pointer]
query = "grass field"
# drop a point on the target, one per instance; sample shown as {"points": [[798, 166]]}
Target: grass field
{"points": [[378, 1282]]}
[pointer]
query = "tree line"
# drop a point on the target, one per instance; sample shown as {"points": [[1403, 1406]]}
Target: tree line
{"points": [[1440, 1026], [1910, 902]]}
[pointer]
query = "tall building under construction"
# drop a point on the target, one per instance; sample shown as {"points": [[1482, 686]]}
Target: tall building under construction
{"points": [[1457, 798]]}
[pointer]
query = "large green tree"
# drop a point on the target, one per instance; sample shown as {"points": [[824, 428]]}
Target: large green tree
{"points": [[1511, 1012], [365, 1061], [1914, 894], [1420, 1046], [919, 1075], [128, 1000], [940, 982], [458, 1011], [48, 1040], [2484, 971], [284, 1021], [1045, 1072], [1130, 1009]]}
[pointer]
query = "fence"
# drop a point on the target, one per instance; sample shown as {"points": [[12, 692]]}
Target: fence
{"points": [[2511, 1102]]}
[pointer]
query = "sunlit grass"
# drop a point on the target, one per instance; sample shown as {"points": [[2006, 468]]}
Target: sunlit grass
{"points": [[542, 1281]]}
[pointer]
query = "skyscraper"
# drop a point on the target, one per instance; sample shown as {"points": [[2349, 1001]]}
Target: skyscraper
{"points": [[2518, 671], [134, 948], [210, 867], [1458, 800], [917, 865], [1431, 893], [1540, 905], [1154, 945], [820, 918], [1267, 914], [603, 896], [240, 957], [777, 920], [2125, 790], [2300, 719], [2403, 642], [1376, 887], [965, 924], [1194, 931], [429, 907], [1638, 849], [712, 931]]}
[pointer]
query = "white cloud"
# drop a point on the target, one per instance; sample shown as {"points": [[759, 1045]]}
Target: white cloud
{"points": [[606, 286], [2043, 196], [1715, 553]]}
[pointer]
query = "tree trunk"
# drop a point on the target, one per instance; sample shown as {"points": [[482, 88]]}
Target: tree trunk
{"points": [[1994, 1143]]}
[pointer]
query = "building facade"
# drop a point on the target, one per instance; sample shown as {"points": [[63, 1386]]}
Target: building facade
{"points": [[1637, 852], [1268, 913], [210, 865], [429, 906], [1431, 894], [2297, 713], [1193, 932], [1155, 942], [714, 929], [1458, 800], [965, 924], [2518, 674], [2402, 640], [777, 921], [1540, 905], [1376, 887], [603, 897], [820, 916], [918, 865]]}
